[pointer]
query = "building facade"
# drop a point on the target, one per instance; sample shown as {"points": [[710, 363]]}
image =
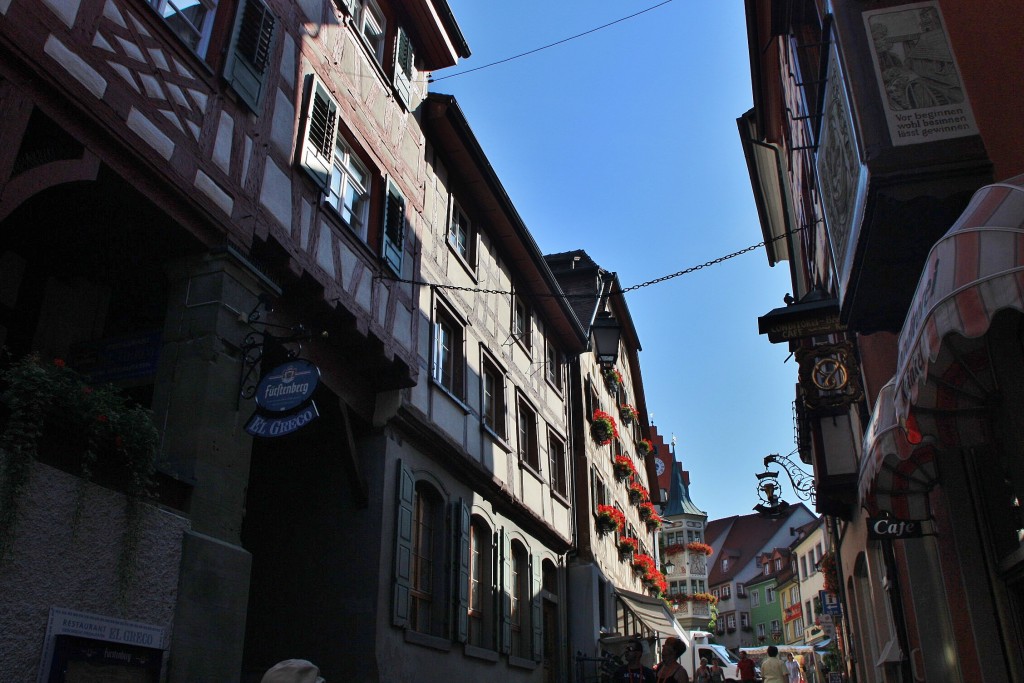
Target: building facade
{"points": [[886, 172], [255, 221]]}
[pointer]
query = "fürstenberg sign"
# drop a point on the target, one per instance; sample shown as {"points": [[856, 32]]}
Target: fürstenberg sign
{"points": [[289, 386]]}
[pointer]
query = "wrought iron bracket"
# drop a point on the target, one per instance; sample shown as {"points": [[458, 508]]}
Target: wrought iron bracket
{"points": [[262, 335], [802, 482]]}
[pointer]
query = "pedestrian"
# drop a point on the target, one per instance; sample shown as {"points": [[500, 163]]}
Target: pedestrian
{"points": [[772, 668], [793, 667], [633, 671], [669, 670], [746, 667], [703, 673], [717, 675], [293, 671]]}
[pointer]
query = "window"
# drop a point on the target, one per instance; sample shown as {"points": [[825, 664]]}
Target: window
{"points": [[697, 586], [677, 588], [318, 141], [519, 596], [492, 400], [426, 607], [744, 620], [448, 353], [778, 564], [694, 536], [776, 628], [348, 190], [190, 20], [598, 489], [405, 68], [725, 564], [755, 599], [557, 465], [481, 631], [461, 235], [741, 590], [726, 591], [521, 323], [527, 433], [369, 21], [730, 622], [761, 632], [803, 567], [808, 611], [553, 365], [769, 595]]}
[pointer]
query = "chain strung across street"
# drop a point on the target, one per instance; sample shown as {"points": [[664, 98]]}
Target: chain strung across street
{"points": [[648, 283]]}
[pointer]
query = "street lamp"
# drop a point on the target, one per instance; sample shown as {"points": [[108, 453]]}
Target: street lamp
{"points": [[606, 333], [669, 566]]}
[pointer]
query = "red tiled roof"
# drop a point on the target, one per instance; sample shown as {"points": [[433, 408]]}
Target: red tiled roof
{"points": [[744, 537]]}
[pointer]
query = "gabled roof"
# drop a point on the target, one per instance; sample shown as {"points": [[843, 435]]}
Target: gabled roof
{"points": [[741, 538], [679, 502]]}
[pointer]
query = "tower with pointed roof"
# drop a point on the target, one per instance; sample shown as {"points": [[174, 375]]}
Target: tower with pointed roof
{"points": [[685, 553]]}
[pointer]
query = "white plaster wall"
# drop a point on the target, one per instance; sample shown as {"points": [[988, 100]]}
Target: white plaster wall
{"points": [[55, 562]]}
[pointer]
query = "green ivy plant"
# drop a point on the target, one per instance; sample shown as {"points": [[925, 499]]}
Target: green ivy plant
{"points": [[49, 403]]}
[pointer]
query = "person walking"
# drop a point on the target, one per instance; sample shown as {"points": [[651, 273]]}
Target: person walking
{"points": [[633, 671], [793, 667], [717, 675], [746, 667], [772, 668], [669, 670], [703, 673]]}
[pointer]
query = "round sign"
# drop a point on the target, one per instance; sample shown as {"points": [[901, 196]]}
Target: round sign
{"points": [[287, 386]]}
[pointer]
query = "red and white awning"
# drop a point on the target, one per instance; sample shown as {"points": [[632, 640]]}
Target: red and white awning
{"points": [[972, 273], [895, 474]]}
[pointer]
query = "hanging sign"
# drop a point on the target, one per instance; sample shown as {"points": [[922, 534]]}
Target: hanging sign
{"points": [[262, 424], [287, 386], [880, 528]]}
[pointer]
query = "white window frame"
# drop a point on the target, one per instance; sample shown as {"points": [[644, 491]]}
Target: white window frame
{"points": [[461, 234], [755, 598], [343, 178], [170, 8], [372, 28]]}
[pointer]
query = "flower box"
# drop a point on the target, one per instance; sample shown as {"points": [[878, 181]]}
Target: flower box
{"points": [[628, 414], [638, 495], [609, 519], [613, 378], [644, 446], [628, 546], [603, 428], [698, 547], [623, 468]]}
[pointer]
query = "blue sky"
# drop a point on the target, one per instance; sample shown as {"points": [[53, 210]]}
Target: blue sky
{"points": [[624, 143]]}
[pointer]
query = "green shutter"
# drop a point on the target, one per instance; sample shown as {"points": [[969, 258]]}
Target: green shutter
{"points": [[536, 611], [403, 546], [505, 644], [462, 562], [404, 60], [249, 55], [394, 228], [317, 152]]}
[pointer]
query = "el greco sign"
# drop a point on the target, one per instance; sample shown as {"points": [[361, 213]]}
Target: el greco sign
{"points": [[918, 78]]}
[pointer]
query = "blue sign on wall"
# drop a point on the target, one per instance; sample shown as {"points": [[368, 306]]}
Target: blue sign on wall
{"points": [[287, 386], [830, 604]]}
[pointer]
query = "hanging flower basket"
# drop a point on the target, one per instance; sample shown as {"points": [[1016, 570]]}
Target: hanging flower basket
{"points": [[603, 428], [827, 565], [627, 546], [653, 522], [638, 495], [698, 547], [644, 446], [628, 414], [623, 468], [613, 378], [644, 565], [609, 519], [646, 511]]}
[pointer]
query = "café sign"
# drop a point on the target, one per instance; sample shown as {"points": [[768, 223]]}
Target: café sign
{"points": [[881, 528]]}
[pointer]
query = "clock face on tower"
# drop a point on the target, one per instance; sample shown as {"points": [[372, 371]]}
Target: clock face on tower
{"points": [[659, 466]]}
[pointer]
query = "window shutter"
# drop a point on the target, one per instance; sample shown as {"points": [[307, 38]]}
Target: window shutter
{"points": [[394, 228], [249, 56], [462, 559], [317, 153], [403, 546], [404, 60], [536, 615], [506, 593]]}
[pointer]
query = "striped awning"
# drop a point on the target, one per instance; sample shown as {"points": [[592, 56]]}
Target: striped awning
{"points": [[895, 474], [972, 273]]}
